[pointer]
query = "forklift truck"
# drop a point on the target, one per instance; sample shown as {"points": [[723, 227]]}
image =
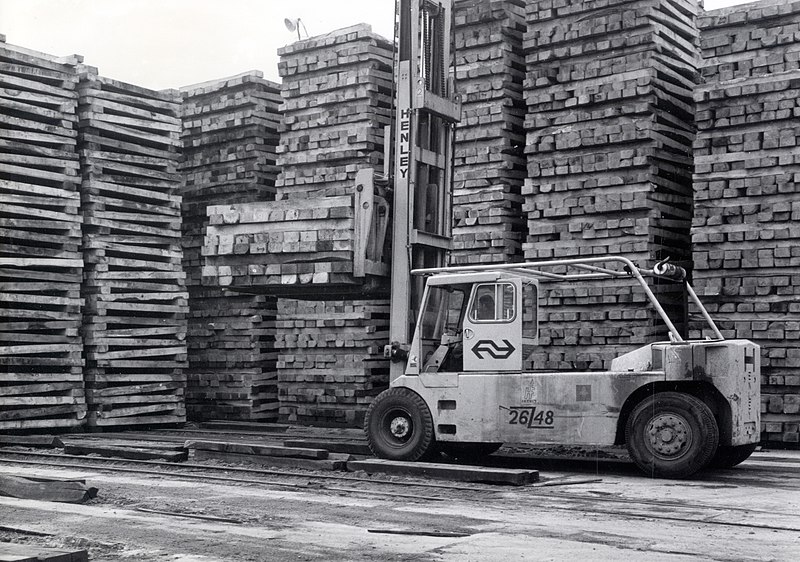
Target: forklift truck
{"points": [[678, 405]]}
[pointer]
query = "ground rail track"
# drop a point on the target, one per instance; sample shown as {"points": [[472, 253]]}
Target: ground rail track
{"points": [[586, 501]]}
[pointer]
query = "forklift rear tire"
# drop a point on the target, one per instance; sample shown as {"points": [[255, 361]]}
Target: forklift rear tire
{"points": [[728, 457], [671, 435], [468, 452], [399, 426]]}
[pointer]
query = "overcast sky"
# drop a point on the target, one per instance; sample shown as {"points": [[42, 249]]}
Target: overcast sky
{"points": [[172, 43]]}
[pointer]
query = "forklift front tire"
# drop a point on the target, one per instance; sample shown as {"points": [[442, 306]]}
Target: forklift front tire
{"points": [[399, 426], [671, 435]]}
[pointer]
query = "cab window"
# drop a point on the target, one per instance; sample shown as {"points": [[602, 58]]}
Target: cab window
{"points": [[493, 302], [530, 309], [442, 312]]}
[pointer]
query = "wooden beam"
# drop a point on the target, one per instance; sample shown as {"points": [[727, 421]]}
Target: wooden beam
{"points": [[440, 471]]}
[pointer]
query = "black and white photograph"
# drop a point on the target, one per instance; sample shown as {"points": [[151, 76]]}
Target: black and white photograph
{"points": [[399, 280]]}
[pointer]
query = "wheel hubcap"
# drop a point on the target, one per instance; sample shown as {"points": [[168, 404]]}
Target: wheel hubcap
{"points": [[669, 435], [400, 427]]}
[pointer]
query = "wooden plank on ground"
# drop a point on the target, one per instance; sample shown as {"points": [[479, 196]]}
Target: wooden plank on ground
{"points": [[12, 552], [440, 471], [136, 453], [257, 449], [350, 447], [245, 426], [110, 440], [44, 441], [52, 491], [264, 460]]}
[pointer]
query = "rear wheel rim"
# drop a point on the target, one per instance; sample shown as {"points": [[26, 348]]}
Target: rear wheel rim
{"points": [[668, 436], [398, 427]]}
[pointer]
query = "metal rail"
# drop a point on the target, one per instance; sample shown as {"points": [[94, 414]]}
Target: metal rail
{"points": [[703, 311], [115, 466], [534, 268], [587, 502], [585, 264]]}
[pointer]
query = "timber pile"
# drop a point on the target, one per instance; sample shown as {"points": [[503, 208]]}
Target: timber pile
{"points": [[305, 246], [231, 372], [489, 166], [134, 285], [311, 242], [746, 228], [229, 142], [610, 130], [40, 258], [330, 362], [337, 91]]}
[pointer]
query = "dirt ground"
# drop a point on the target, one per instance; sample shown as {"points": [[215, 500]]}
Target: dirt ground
{"points": [[748, 513]]}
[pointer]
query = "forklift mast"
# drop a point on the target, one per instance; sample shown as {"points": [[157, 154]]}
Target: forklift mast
{"points": [[426, 112]]}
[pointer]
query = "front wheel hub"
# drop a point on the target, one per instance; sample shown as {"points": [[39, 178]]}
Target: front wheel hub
{"points": [[400, 427], [669, 435]]}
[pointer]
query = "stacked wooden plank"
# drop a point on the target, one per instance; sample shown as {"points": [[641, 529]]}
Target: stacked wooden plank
{"points": [[337, 91], [229, 141], [229, 146], [232, 357], [609, 121], [40, 258], [489, 166], [305, 246], [330, 362], [134, 285], [314, 241], [746, 228]]}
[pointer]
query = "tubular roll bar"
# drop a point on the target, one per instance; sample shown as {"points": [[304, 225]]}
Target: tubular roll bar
{"points": [[662, 270]]}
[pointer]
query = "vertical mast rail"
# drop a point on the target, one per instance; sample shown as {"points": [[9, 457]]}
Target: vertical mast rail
{"points": [[425, 117]]}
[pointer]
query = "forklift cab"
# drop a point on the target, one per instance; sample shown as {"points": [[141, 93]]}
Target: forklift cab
{"points": [[475, 322]]}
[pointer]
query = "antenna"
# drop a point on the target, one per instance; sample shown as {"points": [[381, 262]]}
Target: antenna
{"points": [[294, 25]]}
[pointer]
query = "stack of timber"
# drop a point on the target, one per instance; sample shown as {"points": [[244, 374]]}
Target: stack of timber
{"points": [[489, 166], [230, 133], [610, 130], [337, 91], [298, 246], [229, 141], [330, 362], [232, 357], [746, 228], [325, 236], [41, 382], [134, 285]]}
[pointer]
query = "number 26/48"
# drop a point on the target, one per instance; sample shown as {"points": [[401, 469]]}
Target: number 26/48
{"points": [[530, 417]]}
